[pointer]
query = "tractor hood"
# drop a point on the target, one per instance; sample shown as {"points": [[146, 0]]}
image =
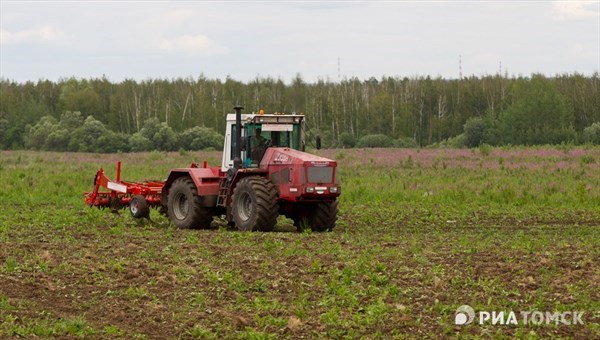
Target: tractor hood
{"points": [[287, 156], [300, 176]]}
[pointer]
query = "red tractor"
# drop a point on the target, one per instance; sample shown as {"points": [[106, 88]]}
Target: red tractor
{"points": [[265, 173]]}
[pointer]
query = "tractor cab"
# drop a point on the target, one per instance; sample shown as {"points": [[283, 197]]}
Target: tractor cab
{"points": [[259, 132]]}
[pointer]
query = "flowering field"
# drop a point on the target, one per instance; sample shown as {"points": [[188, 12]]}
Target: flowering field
{"points": [[420, 233]]}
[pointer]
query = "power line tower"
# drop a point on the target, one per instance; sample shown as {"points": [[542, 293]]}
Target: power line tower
{"points": [[460, 74]]}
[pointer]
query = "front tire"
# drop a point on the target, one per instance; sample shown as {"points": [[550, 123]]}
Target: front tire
{"points": [[185, 206], [319, 217], [254, 204]]}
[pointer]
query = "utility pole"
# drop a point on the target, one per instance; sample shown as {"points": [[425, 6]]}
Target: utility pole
{"points": [[460, 73]]}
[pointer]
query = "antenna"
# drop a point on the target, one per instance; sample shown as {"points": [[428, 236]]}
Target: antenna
{"points": [[339, 69], [500, 67], [460, 75]]}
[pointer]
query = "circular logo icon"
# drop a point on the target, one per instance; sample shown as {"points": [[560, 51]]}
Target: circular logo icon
{"points": [[464, 315]]}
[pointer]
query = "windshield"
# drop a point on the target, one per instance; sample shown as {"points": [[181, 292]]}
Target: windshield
{"points": [[262, 136]]}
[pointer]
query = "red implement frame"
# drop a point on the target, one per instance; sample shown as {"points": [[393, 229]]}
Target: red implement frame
{"points": [[120, 193]]}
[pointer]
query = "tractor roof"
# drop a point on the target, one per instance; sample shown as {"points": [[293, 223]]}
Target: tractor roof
{"points": [[286, 118]]}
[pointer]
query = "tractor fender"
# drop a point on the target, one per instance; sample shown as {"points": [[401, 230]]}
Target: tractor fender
{"points": [[205, 179], [243, 173]]}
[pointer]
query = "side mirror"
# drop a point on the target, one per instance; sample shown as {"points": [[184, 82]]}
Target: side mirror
{"points": [[318, 142], [244, 143]]}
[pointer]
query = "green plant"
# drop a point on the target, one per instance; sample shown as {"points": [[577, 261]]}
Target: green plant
{"points": [[347, 140], [591, 134], [375, 141], [587, 159], [485, 149]]}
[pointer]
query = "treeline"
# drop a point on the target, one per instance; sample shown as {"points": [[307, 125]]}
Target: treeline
{"points": [[99, 115], [74, 133]]}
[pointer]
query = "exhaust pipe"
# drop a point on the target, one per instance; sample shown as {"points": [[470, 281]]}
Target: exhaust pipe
{"points": [[237, 160]]}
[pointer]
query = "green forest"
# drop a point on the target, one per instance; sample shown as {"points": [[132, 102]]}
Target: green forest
{"points": [[97, 115]]}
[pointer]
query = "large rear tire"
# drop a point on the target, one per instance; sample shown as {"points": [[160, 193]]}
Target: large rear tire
{"points": [[254, 204], [185, 208]]}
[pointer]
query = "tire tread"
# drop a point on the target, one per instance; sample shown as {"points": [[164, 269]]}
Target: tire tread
{"points": [[267, 208], [201, 217]]}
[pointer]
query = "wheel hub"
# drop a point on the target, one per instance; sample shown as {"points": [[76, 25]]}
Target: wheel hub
{"points": [[181, 206], [245, 207], [134, 207]]}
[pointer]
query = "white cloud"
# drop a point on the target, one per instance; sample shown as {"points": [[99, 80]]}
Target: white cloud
{"points": [[34, 35], [575, 10], [191, 45]]}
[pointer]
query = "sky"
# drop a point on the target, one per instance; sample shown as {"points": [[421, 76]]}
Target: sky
{"points": [[328, 40]]}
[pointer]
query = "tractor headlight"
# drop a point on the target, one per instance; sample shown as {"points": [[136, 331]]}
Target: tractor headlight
{"points": [[333, 190], [310, 189]]}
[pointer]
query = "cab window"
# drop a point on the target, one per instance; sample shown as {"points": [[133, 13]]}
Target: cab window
{"points": [[262, 136]]}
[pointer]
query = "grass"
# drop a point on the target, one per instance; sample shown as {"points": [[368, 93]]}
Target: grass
{"points": [[420, 233]]}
